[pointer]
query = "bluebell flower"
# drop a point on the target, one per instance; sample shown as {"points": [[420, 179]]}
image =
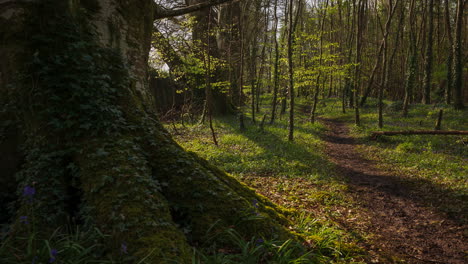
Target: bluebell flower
{"points": [[24, 219], [259, 241], [53, 253], [255, 203], [123, 248], [29, 192]]}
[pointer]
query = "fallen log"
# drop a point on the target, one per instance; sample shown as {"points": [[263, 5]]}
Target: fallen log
{"points": [[376, 134]]}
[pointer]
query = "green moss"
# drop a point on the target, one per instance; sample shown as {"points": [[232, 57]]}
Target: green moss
{"points": [[205, 197], [137, 184], [126, 203]]}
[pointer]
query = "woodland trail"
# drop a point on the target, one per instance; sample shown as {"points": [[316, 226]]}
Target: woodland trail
{"points": [[401, 224]]}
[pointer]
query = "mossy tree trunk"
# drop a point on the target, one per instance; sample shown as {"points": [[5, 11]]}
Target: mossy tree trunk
{"points": [[73, 84]]}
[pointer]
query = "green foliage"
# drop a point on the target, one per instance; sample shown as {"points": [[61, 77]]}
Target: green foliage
{"points": [[395, 106], [254, 251], [75, 82], [62, 246], [406, 147], [70, 87]]}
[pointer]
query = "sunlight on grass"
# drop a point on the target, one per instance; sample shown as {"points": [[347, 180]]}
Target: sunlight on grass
{"points": [[296, 175], [440, 162]]}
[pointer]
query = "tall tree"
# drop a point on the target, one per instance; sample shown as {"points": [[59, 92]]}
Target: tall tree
{"points": [[291, 71], [427, 82], [360, 16], [458, 58], [275, 65], [448, 26], [319, 66], [392, 8], [412, 60]]}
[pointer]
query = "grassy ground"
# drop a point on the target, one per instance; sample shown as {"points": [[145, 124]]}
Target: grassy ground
{"points": [[295, 175], [436, 165], [298, 175]]}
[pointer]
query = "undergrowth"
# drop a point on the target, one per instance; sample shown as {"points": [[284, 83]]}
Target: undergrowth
{"points": [[295, 175]]}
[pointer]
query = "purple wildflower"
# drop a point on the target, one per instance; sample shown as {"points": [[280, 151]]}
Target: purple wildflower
{"points": [[34, 260], [259, 241], [255, 203], [53, 254], [29, 192], [123, 248], [24, 219]]}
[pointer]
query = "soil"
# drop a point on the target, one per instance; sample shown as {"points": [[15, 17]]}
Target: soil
{"points": [[404, 228]]}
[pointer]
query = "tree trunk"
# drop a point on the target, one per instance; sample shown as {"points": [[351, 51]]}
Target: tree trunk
{"points": [[357, 73], [384, 82], [317, 81], [458, 59], [253, 76], [275, 67], [412, 64], [291, 72], [427, 82], [448, 26], [74, 75]]}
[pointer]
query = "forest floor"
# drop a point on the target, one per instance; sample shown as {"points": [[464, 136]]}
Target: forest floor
{"points": [[399, 199], [403, 226]]}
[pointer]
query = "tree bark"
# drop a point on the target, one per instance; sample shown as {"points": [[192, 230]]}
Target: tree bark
{"points": [[75, 79], [357, 73], [384, 82], [275, 67], [317, 81], [458, 58], [448, 26], [412, 61], [427, 82], [291, 72]]}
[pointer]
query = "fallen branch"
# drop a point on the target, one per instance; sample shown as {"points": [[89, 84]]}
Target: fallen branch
{"points": [[376, 134]]}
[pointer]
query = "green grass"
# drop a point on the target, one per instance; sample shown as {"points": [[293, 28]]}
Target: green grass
{"points": [[436, 166], [296, 175]]}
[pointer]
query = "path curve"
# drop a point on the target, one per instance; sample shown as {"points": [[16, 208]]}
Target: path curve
{"points": [[403, 226]]}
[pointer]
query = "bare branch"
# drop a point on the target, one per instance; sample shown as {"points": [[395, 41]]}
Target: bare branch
{"points": [[160, 12]]}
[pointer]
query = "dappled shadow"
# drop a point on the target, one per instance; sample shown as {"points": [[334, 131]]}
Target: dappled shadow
{"points": [[406, 212], [361, 171], [310, 160]]}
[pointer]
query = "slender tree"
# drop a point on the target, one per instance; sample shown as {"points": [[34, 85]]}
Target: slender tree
{"points": [[458, 58], [392, 8], [448, 26], [275, 65], [427, 82], [291, 72], [319, 66], [412, 61]]}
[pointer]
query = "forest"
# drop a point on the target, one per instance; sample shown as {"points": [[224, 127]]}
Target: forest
{"points": [[233, 131]]}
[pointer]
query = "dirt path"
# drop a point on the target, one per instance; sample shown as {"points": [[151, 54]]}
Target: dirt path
{"points": [[403, 226]]}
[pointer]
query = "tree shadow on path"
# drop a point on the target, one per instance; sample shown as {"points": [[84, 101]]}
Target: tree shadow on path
{"points": [[403, 210]]}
